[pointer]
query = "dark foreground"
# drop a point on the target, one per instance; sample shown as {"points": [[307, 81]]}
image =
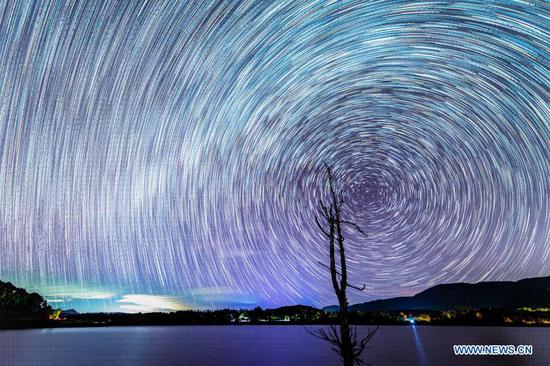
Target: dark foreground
{"points": [[258, 345]]}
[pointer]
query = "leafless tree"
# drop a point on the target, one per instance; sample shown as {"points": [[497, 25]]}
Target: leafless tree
{"points": [[344, 342]]}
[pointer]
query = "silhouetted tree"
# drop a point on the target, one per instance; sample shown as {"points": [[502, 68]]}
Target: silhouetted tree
{"points": [[17, 303], [345, 341]]}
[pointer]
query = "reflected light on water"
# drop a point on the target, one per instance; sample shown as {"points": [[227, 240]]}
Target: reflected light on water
{"points": [[420, 349]]}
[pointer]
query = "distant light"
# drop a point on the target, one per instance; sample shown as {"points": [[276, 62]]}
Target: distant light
{"points": [[411, 321]]}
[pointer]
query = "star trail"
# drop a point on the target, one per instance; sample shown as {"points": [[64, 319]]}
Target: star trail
{"points": [[167, 154]]}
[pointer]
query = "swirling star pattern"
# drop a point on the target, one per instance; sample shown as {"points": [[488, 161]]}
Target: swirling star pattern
{"points": [[177, 148]]}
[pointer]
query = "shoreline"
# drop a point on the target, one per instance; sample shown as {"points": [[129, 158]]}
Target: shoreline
{"points": [[59, 324]]}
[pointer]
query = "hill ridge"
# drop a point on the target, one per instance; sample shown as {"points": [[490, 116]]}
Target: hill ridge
{"points": [[527, 292]]}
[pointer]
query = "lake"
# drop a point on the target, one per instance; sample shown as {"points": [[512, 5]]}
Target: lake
{"points": [[258, 345]]}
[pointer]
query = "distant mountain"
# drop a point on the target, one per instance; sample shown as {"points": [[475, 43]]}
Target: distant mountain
{"points": [[69, 312], [530, 292], [290, 309]]}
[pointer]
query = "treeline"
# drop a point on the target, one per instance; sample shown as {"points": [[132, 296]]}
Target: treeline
{"points": [[290, 314], [484, 316], [307, 315], [17, 304]]}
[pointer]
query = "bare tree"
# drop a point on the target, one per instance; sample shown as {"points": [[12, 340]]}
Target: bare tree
{"points": [[344, 342]]}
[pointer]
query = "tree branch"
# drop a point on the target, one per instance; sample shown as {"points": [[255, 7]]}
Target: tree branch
{"points": [[363, 344], [354, 225], [328, 267], [339, 274], [331, 336], [321, 227], [357, 287]]}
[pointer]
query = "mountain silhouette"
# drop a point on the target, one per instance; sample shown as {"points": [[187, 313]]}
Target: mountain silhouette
{"points": [[529, 292]]}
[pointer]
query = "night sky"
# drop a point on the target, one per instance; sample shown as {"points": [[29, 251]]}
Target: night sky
{"points": [[162, 155]]}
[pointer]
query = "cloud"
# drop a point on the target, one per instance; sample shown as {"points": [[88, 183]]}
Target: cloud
{"points": [[150, 303], [207, 297], [51, 301], [94, 296], [65, 293]]}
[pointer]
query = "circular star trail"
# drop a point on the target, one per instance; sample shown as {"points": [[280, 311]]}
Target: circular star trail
{"points": [[177, 148]]}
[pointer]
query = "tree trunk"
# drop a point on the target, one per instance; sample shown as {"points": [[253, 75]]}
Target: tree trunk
{"points": [[347, 348], [345, 334]]}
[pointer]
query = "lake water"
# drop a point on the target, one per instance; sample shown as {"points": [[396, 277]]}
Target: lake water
{"points": [[258, 345]]}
